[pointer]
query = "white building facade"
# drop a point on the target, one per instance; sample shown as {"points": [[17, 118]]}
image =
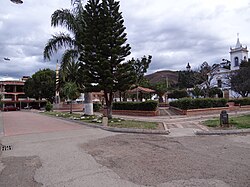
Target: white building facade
{"points": [[220, 77], [238, 54]]}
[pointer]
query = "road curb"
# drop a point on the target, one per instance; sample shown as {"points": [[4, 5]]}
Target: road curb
{"points": [[223, 132], [112, 129], [136, 131], [122, 130]]}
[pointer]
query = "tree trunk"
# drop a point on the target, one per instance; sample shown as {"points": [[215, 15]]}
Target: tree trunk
{"points": [[109, 100], [160, 99], [71, 106], [120, 95], [137, 95], [124, 97], [88, 104]]}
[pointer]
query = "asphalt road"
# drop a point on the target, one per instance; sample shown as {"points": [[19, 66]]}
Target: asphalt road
{"points": [[84, 156]]}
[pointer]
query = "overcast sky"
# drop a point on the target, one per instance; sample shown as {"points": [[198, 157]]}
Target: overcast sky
{"points": [[174, 32]]}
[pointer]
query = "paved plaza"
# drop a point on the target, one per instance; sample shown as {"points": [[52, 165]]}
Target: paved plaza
{"points": [[46, 151]]}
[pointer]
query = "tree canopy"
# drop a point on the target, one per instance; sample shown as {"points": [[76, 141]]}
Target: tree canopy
{"points": [[41, 85], [70, 89], [240, 79], [72, 41], [104, 48]]}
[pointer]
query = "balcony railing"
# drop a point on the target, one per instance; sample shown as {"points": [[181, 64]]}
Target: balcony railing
{"points": [[7, 99]]}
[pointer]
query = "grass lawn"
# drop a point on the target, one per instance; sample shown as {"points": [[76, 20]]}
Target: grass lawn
{"points": [[134, 124], [115, 122], [240, 122]]}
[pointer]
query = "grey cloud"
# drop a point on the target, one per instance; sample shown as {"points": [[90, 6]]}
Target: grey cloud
{"points": [[173, 32]]}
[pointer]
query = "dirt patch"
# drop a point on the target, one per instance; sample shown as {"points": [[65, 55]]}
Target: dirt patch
{"points": [[19, 171], [152, 160]]}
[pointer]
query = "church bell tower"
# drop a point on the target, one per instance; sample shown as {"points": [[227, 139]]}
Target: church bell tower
{"points": [[238, 54]]}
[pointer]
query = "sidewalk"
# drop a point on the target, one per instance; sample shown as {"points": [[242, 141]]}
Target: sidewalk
{"points": [[182, 125]]}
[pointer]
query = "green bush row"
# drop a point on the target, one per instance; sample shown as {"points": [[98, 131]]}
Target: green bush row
{"points": [[242, 101], [187, 103], [145, 106]]}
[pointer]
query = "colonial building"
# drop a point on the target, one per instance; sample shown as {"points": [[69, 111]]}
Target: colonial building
{"points": [[12, 92], [238, 54], [219, 76]]}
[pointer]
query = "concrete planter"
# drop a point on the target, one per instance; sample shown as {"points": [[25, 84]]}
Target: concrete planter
{"points": [[135, 112], [204, 111]]}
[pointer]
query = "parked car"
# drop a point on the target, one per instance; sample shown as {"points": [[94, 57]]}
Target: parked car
{"points": [[10, 108]]}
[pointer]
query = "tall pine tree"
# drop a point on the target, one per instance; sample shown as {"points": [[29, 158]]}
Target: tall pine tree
{"points": [[105, 49]]}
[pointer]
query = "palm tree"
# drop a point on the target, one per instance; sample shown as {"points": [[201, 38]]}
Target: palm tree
{"points": [[72, 73], [70, 89], [73, 21]]}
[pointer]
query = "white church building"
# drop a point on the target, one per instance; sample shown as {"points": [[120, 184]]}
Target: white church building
{"points": [[219, 76]]}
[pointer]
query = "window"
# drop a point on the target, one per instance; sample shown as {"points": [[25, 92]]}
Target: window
{"points": [[245, 58], [236, 61], [219, 83]]}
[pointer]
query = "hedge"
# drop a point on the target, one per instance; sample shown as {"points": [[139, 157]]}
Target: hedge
{"points": [[241, 102], [144, 106], [188, 103], [97, 107]]}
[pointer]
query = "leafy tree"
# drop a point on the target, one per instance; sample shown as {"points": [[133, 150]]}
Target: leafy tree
{"points": [[215, 91], [207, 75], [41, 85], [72, 20], [160, 89], [177, 94], [126, 79], [197, 92], [188, 79], [240, 79], [105, 48], [70, 89], [140, 67]]}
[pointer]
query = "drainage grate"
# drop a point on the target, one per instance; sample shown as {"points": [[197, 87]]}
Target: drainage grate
{"points": [[6, 147]]}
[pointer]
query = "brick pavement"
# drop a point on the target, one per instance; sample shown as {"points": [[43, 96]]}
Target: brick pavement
{"points": [[18, 122]]}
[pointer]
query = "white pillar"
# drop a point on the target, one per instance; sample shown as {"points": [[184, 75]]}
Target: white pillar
{"points": [[88, 104]]}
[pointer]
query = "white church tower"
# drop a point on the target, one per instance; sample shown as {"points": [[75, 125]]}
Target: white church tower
{"points": [[238, 54]]}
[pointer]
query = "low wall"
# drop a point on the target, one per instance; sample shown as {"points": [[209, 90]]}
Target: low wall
{"points": [[75, 107], [134, 112], [245, 108], [205, 111]]}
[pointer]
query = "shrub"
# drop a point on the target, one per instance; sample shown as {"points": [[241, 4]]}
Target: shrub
{"points": [[96, 107], [242, 102], [145, 106], [48, 106], [187, 103]]}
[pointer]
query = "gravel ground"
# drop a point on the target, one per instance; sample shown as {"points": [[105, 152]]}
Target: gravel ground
{"points": [[19, 171], [155, 160]]}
